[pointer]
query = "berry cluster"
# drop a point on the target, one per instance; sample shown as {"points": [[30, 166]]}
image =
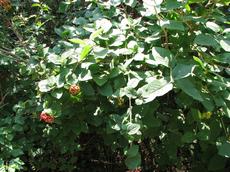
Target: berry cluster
{"points": [[46, 118], [74, 89]]}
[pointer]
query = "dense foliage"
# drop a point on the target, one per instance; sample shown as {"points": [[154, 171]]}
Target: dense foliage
{"points": [[135, 83]]}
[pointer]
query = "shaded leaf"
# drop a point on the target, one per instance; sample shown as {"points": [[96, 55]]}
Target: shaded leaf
{"points": [[206, 40], [189, 88], [171, 25], [182, 71], [224, 150]]}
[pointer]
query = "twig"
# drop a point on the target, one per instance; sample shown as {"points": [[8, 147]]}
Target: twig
{"points": [[164, 30], [11, 55], [2, 100], [20, 38]]}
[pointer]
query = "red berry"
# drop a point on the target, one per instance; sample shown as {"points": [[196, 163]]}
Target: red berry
{"points": [[46, 118], [74, 89]]}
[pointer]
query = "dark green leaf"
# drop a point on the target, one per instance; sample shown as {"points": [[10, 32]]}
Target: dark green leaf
{"points": [[189, 88], [182, 71], [172, 25], [224, 149], [206, 40], [106, 90]]}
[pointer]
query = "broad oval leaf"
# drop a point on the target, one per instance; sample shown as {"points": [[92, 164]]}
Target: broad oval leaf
{"points": [[153, 89], [132, 128], [182, 71], [206, 40], [224, 149], [225, 44], [161, 56], [213, 26], [172, 25], [189, 88]]}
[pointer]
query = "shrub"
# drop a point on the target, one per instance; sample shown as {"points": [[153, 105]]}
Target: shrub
{"points": [[147, 81]]}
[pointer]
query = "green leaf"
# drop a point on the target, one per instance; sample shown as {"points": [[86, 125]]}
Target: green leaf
{"points": [[132, 128], [105, 24], [154, 89], [225, 44], [78, 41], [195, 1], [152, 7], [85, 75], [172, 4], [85, 51], [172, 25], [133, 151], [115, 2], [151, 121], [199, 62], [79, 21], [61, 78], [216, 163], [55, 59], [133, 162], [101, 79], [223, 58], [57, 94], [100, 52], [95, 34], [182, 71], [131, 3], [106, 90], [213, 26], [118, 41], [47, 84], [87, 89], [161, 56], [203, 135], [224, 149], [17, 127], [206, 40], [63, 7], [16, 152], [132, 83], [189, 88], [114, 72], [19, 120], [188, 137]]}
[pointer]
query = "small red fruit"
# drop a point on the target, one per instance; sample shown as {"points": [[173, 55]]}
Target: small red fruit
{"points": [[74, 89], [46, 118]]}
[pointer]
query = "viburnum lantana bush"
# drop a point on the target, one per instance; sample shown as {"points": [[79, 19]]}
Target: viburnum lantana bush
{"points": [[143, 84]]}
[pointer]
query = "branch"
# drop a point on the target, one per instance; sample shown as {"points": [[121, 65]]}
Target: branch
{"points": [[20, 38], [3, 97], [164, 30], [11, 55]]}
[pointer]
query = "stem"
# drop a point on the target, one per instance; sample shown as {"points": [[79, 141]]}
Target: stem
{"points": [[225, 131], [11, 55], [20, 38], [130, 101], [164, 30]]}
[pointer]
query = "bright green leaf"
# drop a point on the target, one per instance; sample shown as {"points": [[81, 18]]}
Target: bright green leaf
{"points": [[85, 51]]}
